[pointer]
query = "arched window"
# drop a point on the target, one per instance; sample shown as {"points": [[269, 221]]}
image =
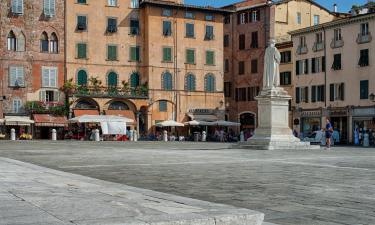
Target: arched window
{"points": [[54, 44], [118, 106], [134, 80], [209, 83], [86, 104], [82, 78], [44, 42], [21, 42], [12, 41], [166, 80], [112, 79], [190, 82]]}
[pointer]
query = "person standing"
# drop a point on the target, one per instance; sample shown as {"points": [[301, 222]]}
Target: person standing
{"points": [[329, 131]]}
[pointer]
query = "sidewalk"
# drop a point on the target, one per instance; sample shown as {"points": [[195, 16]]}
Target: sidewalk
{"points": [[30, 194]]}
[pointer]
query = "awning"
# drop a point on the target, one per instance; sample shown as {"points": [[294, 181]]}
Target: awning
{"points": [[169, 123], [99, 119], [47, 120], [124, 113], [203, 117], [18, 121], [81, 112]]}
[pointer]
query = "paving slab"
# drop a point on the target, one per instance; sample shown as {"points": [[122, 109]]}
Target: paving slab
{"points": [[32, 194]]}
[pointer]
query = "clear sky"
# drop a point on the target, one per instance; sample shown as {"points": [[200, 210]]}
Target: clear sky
{"points": [[343, 5]]}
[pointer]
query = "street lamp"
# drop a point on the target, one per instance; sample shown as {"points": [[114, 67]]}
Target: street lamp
{"points": [[372, 97]]}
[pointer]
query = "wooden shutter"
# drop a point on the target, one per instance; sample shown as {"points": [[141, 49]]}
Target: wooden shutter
{"points": [[313, 93], [82, 51], [112, 79], [331, 92], [209, 57], [56, 96], [307, 94], [306, 67], [42, 95], [53, 77], [297, 67], [82, 77], [20, 76], [12, 75], [297, 95], [134, 80], [112, 52], [45, 77], [342, 85]]}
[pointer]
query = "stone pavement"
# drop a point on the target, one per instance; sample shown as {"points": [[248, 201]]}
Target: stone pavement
{"points": [[31, 194], [305, 187]]}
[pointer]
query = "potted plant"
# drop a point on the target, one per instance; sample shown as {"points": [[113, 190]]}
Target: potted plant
{"points": [[95, 83]]}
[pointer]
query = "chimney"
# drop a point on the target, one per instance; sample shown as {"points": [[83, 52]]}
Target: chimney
{"points": [[335, 8]]}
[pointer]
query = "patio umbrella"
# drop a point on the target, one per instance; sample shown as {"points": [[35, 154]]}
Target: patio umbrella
{"points": [[193, 123], [224, 123], [99, 118], [169, 123]]}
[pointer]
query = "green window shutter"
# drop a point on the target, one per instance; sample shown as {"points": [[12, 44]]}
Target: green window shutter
{"points": [[81, 51], [167, 81], [210, 57], [190, 56], [82, 77], [112, 79], [134, 80], [135, 53], [112, 52], [190, 82], [364, 89], [167, 54]]}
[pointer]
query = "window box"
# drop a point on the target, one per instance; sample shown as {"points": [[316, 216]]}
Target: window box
{"points": [[337, 43], [361, 39], [318, 46], [302, 50]]}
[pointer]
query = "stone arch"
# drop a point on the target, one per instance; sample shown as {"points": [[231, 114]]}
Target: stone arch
{"points": [[54, 43], [44, 42], [11, 41], [130, 105], [247, 120], [86, 103]]}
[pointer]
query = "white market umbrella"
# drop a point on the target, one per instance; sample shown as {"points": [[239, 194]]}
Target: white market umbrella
{"points": [[193, 123], [99, 119], [169, 123], [224, 123]]}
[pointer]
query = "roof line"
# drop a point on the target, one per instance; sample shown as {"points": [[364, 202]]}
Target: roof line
{"points": [[177, 5]]}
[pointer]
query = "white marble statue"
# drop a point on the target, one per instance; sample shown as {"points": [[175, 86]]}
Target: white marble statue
{"points": [[272, 57]]}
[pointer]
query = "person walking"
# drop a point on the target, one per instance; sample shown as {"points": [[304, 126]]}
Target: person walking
{"points": [[329, 131]]}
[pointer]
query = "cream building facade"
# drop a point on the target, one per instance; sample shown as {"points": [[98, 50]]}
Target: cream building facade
{"points": [[334, 76]]}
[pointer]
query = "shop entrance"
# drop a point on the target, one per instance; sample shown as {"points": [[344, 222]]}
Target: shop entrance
{"points": [[247, 121], [340, 125]]}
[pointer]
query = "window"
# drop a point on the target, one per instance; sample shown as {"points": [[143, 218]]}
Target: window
{"points": [[306, 66], [364, 29], [302, 94], [190, 56], [81, 23], [111, 52], [337, 34], [16, 76], [209, 83], [49, 96], [241, 67], [11, 41], [111, 25], [226, 40], [17, 105], [49, 8], [81, 1], [363, 89], [302, 66], [21, 43], [254, 40], [209, 17], [82, 78], [167, 28], [316, 19], [134, 80], [163, 106], [252, 92], [166, 12], [227, 89], [54, 44], [254, 66], [242, 18], [167, 83], [49, 77], [319, 37], [241, 94], [44, 42], [302, 41], [336, 62], [286, 78], [241, 41], [337, 92], [226, 65], [134, 26], [286, 57], [190, 82], [227, 20], [210, 58], [189, 30], [17, 7], [82, 51], [189, 15], [299, 19], [167, 54], [135, 54], [363, 58], [318, 93], [209, 33], [255, 16], [315, 65], [112, 79], [112, 2], [134, 4]]}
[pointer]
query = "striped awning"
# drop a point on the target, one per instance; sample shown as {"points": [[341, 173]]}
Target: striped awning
{"points": [[18, 121], [47, 120]]}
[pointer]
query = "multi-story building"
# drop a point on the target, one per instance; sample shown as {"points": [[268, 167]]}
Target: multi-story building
{"points": [[246, 35], [31, 56], [153, 61], [334, 76]]}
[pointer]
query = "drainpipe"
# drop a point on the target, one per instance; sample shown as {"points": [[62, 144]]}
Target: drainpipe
{"points": [[175, 68]]}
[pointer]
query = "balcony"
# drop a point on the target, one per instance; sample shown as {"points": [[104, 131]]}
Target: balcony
{"points": [[302, 50], [140, 92], [318, 46], [42, 107], [361, 39], [337, 43]]}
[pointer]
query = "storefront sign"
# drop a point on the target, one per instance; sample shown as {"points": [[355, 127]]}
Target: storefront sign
{"points": [[364, 112], [338, 113], [310, 113], [202, 111]]}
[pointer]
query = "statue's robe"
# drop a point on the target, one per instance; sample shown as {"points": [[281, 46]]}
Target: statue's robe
{"points": [[271, 74]]}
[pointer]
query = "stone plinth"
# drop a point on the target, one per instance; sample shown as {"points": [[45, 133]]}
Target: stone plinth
{"points": [[273, 130]]}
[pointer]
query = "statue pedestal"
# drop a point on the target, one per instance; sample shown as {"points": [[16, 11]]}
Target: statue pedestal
{"points": [[273, 130]]}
